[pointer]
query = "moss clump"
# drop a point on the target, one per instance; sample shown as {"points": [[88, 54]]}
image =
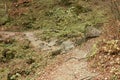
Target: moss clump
{"points": [[25, 44], [8, 54], [15, 74]]}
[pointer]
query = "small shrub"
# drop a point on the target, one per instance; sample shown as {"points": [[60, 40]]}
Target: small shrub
{"points": [[15, 74], [111, 47], [13, 77], [30, 61], [25, 44], [8, 54], [106, 59]]}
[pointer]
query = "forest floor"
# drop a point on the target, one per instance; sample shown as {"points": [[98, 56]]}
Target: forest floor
{"points": [[44, 40], [72, 65]]}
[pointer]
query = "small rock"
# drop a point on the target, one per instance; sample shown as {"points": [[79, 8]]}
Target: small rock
{"points": [[52, 43], [91, 32], [67, 45]]}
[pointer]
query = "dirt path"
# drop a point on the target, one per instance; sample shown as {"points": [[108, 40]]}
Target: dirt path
{"points": [[73, 68], [73, 65]]}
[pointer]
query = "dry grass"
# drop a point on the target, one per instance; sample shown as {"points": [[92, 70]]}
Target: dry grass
{"points": [[107, 58]]}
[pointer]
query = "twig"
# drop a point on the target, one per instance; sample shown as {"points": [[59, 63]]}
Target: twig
{"points": [[79, 59]]}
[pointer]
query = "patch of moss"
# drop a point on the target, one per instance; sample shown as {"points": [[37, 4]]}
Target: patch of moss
{"points": [[18, 60], [54, 19]]}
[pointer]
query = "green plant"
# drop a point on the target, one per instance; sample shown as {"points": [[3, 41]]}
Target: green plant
{"points": [[94, 51], [8, 54], [25, 44]]}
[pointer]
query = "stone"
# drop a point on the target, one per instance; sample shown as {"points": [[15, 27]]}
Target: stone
{"points": [[92, 32], [67, 45], [52, 43]]}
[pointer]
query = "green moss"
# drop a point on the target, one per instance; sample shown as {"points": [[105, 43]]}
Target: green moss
{"points": [[55, 20], [18, 57], [93, 51]]}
